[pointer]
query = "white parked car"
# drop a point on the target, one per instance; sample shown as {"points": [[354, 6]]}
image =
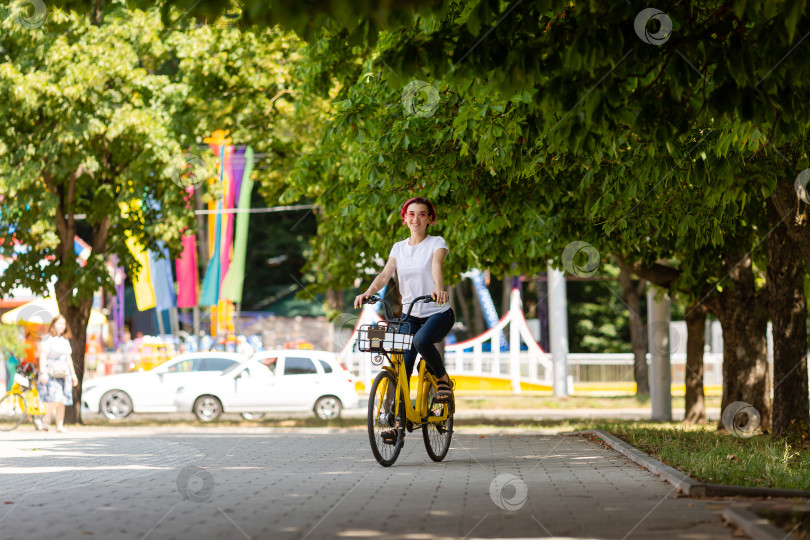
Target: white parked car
{"points": [[290, 380], [117, 396]]}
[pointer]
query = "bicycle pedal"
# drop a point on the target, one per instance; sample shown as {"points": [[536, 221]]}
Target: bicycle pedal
{"points": [[393, 442], [390, 437]]}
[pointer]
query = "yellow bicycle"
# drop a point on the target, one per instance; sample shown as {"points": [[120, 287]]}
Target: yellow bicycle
{"points": [[388, 409], [22, 401]]}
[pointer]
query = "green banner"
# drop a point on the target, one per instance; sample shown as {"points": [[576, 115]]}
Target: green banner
{"points": [[235, 278]]}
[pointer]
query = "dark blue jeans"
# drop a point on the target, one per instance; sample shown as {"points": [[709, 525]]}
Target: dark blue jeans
{"points": [[426, 332]]}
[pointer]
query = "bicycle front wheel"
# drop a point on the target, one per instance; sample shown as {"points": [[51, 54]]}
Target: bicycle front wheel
{"points": [[437, 435], [12, 411], [382, 402]]}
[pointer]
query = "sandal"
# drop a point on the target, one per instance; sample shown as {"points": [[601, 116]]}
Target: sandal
{"points": [[444, 391], [389, 436]]}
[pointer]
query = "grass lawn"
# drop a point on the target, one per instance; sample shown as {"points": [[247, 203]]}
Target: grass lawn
{"points": [[720, 458]]}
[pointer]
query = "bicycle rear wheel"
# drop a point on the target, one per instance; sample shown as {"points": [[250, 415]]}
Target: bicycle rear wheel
{"points": [[382, 403], [437, 435], [12, 411]]}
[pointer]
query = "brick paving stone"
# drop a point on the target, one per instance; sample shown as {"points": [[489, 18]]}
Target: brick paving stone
{"points": [[307, 484]]}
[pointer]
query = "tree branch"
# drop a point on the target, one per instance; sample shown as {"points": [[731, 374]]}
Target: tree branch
{"points": [[658, 274], [61, 226]]}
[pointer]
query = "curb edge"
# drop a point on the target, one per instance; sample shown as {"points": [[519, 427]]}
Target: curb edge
{"points": [[758, 528], [683, 483]]}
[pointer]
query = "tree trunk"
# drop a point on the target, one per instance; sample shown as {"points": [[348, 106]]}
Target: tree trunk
{"points": [[542, 312], [97, 15], [335, 299], [695, 412], [202, 235], [478, 325], [77, 317], [788, 309], [794, 212], [631, 294], [506, 294], [743, 316]]}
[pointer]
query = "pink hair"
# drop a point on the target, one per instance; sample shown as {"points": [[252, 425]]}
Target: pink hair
{"points": [[419, 200]]}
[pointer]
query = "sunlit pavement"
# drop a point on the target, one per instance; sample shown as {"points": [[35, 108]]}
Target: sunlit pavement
{"points": [[713, 413], [155, 483]]}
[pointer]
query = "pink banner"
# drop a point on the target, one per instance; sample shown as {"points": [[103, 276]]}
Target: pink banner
{"points": [[186, 267], [227, 204]]}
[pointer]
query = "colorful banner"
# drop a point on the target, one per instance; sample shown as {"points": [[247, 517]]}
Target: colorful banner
{"points": [[187, 273], [228, 197], [118, 303], [142, 282], [186, 266], [212, 279], [235, 278], [82, 250], [162, 282], [238, 168]]}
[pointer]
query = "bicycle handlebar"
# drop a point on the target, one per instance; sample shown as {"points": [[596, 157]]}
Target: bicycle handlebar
{"points": [[374, 299]]}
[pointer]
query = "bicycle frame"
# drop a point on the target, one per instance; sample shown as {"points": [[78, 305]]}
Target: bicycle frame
{"points": [[31, 396], [419, 414]]}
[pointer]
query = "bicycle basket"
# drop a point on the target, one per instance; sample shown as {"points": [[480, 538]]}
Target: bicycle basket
{"points": [[22, 380], [27, 369], [390, 337]]}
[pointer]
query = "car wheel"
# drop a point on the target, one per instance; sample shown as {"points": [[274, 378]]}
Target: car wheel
{"points": [[328, 408], [207, 408], [252, 415], [115, 404]]}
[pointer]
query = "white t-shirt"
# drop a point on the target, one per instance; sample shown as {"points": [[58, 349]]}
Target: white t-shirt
{"points": [[414, 271], [59, 352]]}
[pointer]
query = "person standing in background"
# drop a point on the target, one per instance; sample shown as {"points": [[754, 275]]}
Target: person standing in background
{"points": [[31, 347], [57, 376]]}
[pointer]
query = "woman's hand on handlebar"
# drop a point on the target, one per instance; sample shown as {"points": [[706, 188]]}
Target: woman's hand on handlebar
{"points": [[358, 300], [441, 297]]}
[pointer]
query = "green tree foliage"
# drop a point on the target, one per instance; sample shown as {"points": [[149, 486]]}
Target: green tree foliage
{"points": [[101, 122], [11, 342]]}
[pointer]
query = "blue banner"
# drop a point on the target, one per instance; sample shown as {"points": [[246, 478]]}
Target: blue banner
{"points": [[488, 306], [162, 280]]}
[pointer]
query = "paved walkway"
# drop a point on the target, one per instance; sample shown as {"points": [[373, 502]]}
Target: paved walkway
{"points": [[151, 483], [636, 413]]}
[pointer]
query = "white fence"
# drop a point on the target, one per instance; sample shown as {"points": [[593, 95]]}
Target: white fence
{"points": [[482, 357]]}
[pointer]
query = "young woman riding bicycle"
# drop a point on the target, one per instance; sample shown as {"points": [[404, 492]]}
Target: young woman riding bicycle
{"points": [[418, 262]]}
